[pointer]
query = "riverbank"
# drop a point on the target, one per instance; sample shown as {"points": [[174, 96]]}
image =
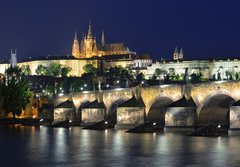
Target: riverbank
{"points": [[22, 121]]}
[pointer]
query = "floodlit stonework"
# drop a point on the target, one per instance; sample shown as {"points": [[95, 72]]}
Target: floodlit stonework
{"points": [[221, 94]]}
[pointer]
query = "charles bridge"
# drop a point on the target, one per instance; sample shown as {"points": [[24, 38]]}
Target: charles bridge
{"points": [[212, 99]]}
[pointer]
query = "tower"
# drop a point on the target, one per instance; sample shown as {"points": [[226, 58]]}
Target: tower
{"points": [[13, 61], [176, 54], [75, 47], [90, 43], [181, 54], [89, 36], [103, 39]]}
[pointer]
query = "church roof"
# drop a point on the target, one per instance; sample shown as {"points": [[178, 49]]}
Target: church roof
{"points": [[118, 56], [95, 104], [237, 103], [66, 104], [142, 57], [133, 102], [115, 47], [183, 102]]}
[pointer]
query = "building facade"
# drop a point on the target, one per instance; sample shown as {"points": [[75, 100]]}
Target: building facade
{"points": [[88, 46]]}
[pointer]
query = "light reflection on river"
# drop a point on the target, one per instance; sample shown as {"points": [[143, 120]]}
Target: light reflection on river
{"points": [[41, 146]]}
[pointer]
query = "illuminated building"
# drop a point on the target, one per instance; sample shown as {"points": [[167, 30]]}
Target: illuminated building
{"points": [[88, 47]]}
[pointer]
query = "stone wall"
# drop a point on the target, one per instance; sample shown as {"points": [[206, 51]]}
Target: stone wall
{"points": [[235, 117]]}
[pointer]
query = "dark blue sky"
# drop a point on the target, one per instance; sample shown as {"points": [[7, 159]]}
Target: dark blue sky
{"points": [[204, 29]]}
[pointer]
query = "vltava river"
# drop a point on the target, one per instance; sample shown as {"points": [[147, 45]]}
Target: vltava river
{"points": [[41, 146]]}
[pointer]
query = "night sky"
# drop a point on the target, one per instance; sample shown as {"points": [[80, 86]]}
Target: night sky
{"points": [[204, 29]]}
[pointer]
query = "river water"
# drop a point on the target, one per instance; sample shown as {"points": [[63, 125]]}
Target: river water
{"points": [[41, 146]]}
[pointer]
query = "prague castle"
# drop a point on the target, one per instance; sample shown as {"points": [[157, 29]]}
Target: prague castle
{"points": [[87, 51], [88, 46]]}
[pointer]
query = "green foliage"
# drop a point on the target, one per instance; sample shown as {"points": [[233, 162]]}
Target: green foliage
{"points": [[140, 77], [159, 72], [41, 70], [65, 71], [79, 83], [53, 69], [26, 69], [90, 69], [115, 73], [16, 93]]}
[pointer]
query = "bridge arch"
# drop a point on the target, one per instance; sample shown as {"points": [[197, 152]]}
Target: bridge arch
{"points": [[215, 108], [112, 111], [158, 109]]}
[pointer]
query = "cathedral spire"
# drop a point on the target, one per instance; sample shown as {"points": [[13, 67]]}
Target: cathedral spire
{"points": [[75, 36], [75, 47], [175, 54], [103, 39], [89, 36], [181, 54]]}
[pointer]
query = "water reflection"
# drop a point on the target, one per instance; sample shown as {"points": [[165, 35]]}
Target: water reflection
{"points": [[76, 147]]}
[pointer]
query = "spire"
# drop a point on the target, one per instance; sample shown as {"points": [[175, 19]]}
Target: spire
{"points": [[75, 36], [89, 30], [75, 47], [176, 54], [103, 39], [176, 51], [181, 54]]}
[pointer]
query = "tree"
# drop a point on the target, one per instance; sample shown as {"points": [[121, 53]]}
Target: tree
{"points": [[41, 70], [53, 69], [65, 71], [26, 69], [140, 77], [90, 69], [16, 93]]}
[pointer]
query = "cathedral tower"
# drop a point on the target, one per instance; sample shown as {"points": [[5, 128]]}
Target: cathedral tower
{"points": [[181, 54], [75, 47], [90, 43], [103, 39], [176, 54]]}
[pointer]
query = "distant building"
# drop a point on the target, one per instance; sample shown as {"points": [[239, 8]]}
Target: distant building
{"points": [[87, 51], [88, 46], [13, 61], [209, 69]]}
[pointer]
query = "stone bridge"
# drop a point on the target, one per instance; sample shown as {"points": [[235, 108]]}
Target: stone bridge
{"points": [[211, 98]]}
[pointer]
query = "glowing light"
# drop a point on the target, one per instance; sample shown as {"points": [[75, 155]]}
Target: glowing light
{"points": [[70, 121], [219, 126], [60, 94], [85, 85], [119, 89], [41, 120], [106, 122], [154, 123]]}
